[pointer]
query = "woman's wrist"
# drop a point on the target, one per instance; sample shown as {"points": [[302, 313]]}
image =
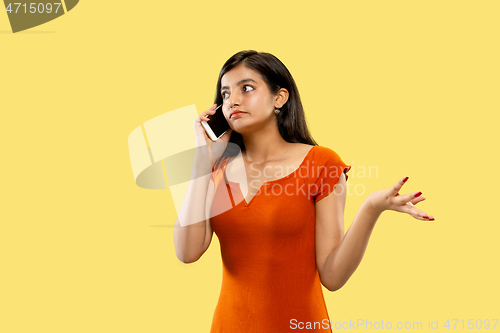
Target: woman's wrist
{"points": [[371, 205]]}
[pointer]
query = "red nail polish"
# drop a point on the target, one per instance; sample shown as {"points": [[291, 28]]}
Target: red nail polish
{"points": [[405, 179], [432, 219], [418, 194], [425, 217]]}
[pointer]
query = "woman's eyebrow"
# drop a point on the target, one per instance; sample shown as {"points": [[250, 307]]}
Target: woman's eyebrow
{"points": [[239, 83]]}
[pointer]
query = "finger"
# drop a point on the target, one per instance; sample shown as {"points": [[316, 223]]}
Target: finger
{"points": [[214, 108], [425, 217], [410, 209], [402, 199], [417, 200], [210, 111], [205, 116], [417, 213], [420, 215], [396, 187]]}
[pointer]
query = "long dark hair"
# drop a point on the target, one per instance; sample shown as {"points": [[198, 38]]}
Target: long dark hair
{"points": [[291, 120]]}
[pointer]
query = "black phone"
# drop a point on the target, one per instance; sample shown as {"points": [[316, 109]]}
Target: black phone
{"points": [[216, 125]]}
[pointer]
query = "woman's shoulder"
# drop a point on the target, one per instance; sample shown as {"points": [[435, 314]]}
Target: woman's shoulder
{"points": [[323, 153], [317, 148]]}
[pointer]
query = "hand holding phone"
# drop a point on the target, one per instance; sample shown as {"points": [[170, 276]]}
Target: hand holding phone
{"points": [[208, 126], [216, 125]]}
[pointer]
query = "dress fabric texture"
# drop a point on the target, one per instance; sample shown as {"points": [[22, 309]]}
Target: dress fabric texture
{"points": [[270, 281]]}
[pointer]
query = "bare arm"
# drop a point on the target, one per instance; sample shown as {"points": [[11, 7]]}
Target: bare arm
{"points": [[338, 257], [192, 230], [343, 261]]}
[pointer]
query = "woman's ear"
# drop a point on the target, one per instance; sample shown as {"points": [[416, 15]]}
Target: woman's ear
{"points": [[281, 98]]}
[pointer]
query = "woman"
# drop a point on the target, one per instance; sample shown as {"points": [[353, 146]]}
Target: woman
{"points": [[281, 233]]}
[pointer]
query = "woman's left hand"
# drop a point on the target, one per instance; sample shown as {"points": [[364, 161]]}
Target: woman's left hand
{"points": [[390, 199]]}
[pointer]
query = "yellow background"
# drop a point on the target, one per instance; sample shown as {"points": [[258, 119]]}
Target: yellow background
{"points": [[409, 87]]}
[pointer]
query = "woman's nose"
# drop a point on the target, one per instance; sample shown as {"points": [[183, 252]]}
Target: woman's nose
{"points": [[234, 99]]}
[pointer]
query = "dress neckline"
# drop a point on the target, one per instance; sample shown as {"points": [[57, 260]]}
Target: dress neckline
{"points": [[267, 181]]}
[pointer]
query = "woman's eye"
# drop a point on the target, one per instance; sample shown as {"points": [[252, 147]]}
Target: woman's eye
{"points": [[224, 94]]}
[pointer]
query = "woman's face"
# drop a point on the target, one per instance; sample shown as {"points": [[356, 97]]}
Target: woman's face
{"points": [[243, 89]]}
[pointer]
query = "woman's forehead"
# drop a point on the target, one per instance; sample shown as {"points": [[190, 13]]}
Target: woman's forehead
{"points": [[239, 73]]}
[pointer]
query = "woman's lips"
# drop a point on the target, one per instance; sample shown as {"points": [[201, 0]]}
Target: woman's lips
{"points": [[237, 114]]}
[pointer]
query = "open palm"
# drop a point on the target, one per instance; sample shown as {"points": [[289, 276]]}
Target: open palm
{"points": [[390, 199]]}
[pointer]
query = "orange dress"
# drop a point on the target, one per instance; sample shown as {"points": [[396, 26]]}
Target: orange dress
{"points": [[270, 281]]}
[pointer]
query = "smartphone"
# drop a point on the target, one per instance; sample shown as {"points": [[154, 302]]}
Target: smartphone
{"points": [[216, 125]]}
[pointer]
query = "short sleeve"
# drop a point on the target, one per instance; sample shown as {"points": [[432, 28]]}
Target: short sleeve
{"points": [[329, 168]]}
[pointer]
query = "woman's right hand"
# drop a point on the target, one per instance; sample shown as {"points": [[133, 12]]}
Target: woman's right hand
{"points": [[202, 138]]}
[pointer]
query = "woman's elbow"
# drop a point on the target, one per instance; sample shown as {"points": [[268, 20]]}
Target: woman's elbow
{"points": [[186, 259], [332, 286]]}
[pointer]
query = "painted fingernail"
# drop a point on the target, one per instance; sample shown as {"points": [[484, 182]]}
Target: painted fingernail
{"points": [[418, 194], [405, 179], [432, 219], [425, 217]]}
